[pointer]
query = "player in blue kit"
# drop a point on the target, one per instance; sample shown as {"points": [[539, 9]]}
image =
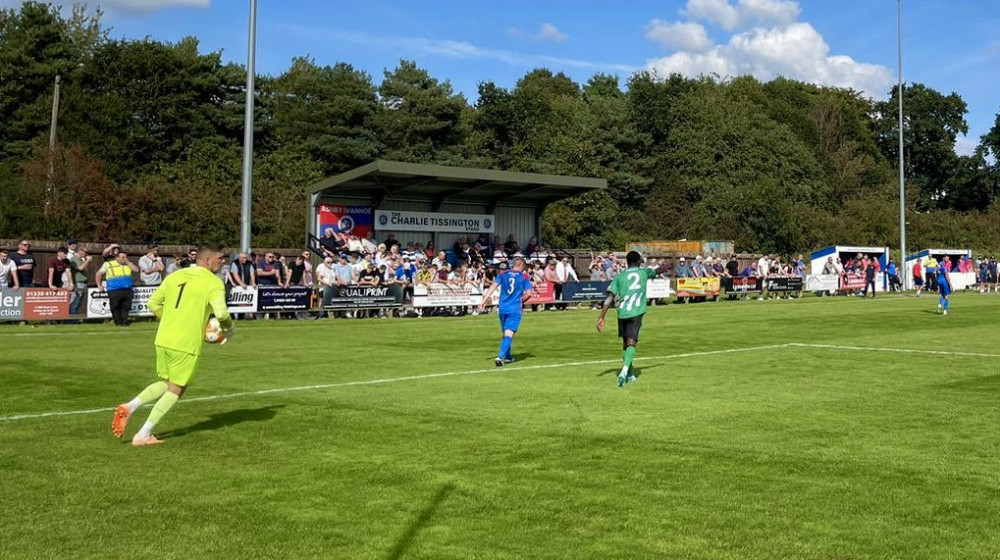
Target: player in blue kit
{"points": [[515, 289], [944, 285]]}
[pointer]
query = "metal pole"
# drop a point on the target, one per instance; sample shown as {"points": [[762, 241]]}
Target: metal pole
{"points": [[902, 178], [49, 188], [248, 133]]}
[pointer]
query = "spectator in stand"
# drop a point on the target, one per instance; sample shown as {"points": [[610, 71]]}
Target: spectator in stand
{"points": [[354, 244], [732, 267], [532, 247], [242, 272], [115, 277], [800, 267], [839, 266], [343, 272], [326, 279], [59, 276], [8, 271], [829, 267], [391, 241], [566, 272], [270, 272], [596, 268], [307, 276], [610, 266], [749, 271], [510, 246], [440, 260], [682, 270], [430, 252], [25, 261], [151, 267], [718, 269], [173, 264], [368, 244], [330, 243]]}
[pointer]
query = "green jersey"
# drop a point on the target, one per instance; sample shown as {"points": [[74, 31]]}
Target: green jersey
{"points": [[629, 288], [183, 303]]}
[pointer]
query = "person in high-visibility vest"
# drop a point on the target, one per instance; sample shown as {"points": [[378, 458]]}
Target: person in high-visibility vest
{"points": [[115, 278]]}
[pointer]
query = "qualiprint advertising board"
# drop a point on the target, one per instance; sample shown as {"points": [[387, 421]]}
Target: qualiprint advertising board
{"points": [[363, 297], [26, 304], [434, 222]]}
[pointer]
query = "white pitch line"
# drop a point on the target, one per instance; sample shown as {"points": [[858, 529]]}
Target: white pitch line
{"points": [[396, 380], [897, 350]]}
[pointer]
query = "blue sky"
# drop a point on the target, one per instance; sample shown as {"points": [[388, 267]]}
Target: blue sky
{"points": [[949, 46]]}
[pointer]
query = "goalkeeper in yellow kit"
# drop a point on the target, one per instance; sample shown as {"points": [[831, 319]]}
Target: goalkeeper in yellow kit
{"points": [[183, 304]]}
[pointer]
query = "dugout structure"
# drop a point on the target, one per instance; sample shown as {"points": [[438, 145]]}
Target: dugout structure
{"points": [[961, 281], [422, 202], [844, 252]]}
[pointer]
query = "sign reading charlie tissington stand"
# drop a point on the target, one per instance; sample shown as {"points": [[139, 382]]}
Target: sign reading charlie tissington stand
{"points": [[434, 222]]}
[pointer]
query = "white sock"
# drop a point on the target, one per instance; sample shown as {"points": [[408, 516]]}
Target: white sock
{"points": [[146, 431], [134, 405], [624, 371]]}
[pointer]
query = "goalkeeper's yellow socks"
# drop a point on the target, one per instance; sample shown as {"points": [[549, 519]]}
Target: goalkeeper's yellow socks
{"points": [[162, 406], [148, 395]]}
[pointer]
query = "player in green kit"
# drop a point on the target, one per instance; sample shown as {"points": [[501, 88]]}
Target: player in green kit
{"points": [[629, 289], [183, 303]]}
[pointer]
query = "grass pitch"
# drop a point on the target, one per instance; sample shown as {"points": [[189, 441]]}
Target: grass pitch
{"points": [[819, 428]]}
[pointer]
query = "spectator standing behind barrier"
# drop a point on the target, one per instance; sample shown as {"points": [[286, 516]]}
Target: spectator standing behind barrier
{"points": [[269, 271], [8, 271], [869, 280], [894, 282], [763, 266], [918, 277], [732, 267], [296, 272], [829, 267], [151, 267], [79, 263], [930, 269], [682, 270], [115, 277], [189, 259], [59, 275], [25, 261], [242, 272]]}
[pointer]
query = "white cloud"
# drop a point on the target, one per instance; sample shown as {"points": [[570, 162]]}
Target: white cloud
{"points": [[551, 33], [783, 48], [681, 36], [548, 34], [418, 46], [965, 146], [745, 13]]}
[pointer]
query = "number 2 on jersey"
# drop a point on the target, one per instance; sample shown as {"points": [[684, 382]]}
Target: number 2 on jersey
{"points": [[634, 279]]}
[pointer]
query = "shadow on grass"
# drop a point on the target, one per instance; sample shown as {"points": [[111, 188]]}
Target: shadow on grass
{"points": [[519, 357], [985, 383], [636, 370], [224, 419], [420, 522]]}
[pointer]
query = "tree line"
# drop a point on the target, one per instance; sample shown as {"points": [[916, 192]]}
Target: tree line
{"points": [[150, 146]]}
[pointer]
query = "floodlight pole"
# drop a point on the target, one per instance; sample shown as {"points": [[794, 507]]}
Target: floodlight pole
{"points": [[902, 178], [248, 133]]}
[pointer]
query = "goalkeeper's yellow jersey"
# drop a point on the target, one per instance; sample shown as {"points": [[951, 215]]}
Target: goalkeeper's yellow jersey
{"points": [[183, 303]]}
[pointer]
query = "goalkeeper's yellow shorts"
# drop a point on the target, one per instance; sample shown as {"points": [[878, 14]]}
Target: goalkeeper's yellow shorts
{"points": [[175, 366]]}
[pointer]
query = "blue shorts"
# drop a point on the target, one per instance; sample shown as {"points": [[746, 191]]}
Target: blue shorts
{"points": [[944, 288], [510, 321]]}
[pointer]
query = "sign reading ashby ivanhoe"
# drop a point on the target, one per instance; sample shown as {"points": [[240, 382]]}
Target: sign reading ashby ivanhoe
{"points": [[434, 222]]}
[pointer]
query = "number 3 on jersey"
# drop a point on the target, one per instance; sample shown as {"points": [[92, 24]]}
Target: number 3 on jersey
{"points": [[510, 285]]}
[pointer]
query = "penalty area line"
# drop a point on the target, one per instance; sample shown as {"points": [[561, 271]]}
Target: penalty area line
{"points": [[896, 350], [384, 381]]}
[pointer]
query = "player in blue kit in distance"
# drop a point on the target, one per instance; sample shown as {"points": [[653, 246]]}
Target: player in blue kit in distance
{"points": [[515, 289], [944, 285]]}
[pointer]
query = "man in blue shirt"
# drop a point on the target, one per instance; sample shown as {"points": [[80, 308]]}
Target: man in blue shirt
{"points": [[515, 289]]}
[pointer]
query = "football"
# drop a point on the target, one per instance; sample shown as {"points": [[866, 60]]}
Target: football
{"points": [[214, 333]]}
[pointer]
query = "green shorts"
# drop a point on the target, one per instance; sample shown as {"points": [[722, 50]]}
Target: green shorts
{"points": [[175, 366]]}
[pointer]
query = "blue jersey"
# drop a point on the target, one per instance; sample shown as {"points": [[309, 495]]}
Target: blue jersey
{"points": [[942, 278], [513, 286]]}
